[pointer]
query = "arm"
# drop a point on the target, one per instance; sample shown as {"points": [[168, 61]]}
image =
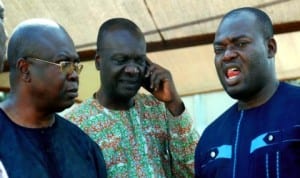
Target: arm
{"points": [[182, 136], [183, 139], [162, 88]]}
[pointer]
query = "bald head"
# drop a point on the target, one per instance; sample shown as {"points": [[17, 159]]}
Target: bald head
{"points": [[32, 38], [38, 38]]}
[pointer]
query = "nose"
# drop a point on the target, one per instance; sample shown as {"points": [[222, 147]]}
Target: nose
{"points": [[229, 54], [131, 69], [74, 76]]}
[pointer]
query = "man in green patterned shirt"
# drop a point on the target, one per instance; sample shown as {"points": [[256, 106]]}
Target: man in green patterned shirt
{"points": [[140, 135]]}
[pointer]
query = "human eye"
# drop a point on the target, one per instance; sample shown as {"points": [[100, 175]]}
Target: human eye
{"points": [[64, 63], [66, 66], [241, 43], [218, 49], [119, 60]]}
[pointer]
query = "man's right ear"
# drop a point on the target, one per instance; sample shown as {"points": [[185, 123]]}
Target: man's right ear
{"points": [[98, 62], [23, 67]]}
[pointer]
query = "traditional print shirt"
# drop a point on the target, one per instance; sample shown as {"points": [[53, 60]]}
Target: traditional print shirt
{"points": [[144, 141]]}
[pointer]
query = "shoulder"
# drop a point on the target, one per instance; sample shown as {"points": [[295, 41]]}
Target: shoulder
{"points": [[78, 140], [224, 122], [71, 130], [80, 112], [63, 123], [83, 106], [286, 95], [289, 89]]}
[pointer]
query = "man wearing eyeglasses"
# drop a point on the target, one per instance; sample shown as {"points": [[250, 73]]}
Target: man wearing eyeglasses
{"points": [[34, 141]]}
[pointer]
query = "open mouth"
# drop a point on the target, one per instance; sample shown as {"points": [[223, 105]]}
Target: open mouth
{"points": [[232, 72], [233, 75]]}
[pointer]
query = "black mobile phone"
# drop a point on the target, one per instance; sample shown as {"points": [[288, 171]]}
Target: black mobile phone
{"points": [[146, 81]]}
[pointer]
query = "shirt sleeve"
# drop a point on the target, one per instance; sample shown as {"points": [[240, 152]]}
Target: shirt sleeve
{"points": [[182, 144]]}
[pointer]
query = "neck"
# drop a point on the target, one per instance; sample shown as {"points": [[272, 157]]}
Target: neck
{"points": [[113, 102], [260, 98], [25, 114]]}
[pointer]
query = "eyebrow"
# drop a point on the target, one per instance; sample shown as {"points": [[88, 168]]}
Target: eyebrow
{"points": [[233, 39]]}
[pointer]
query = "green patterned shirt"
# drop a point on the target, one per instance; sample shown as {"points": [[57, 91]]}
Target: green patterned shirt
{"points": [[144, 141]]}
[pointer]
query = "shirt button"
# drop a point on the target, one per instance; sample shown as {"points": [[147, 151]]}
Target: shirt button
{"points": [[213, 154], [270, 138]]}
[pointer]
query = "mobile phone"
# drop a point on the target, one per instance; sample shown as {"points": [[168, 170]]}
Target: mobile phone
{"points": [[146, 81]]}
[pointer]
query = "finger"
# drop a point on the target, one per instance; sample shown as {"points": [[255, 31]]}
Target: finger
{"points": [[157, 75], [149, 67], [157, 79], [147, 71], [153, 67]]}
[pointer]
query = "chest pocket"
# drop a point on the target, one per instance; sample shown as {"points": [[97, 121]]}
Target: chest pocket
{"points": [[276, 153], [217, 157]]}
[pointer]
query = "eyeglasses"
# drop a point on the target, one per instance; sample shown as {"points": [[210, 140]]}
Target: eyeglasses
{"points": [[67, 67]]}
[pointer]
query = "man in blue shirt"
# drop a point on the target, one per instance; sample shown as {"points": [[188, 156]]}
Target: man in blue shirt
{"points": [[259, 136], [34, 141]]}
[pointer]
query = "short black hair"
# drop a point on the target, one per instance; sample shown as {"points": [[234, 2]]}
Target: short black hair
{"points": [[116, 23], [263, 19]]}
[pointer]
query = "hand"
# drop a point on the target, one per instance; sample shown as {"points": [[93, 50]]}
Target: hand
{"points": [[162, 87]]}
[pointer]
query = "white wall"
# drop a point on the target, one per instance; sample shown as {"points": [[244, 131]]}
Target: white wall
{"points": [[206, 107]]}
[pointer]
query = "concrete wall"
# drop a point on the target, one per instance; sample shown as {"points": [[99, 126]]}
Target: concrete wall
{"points": [[206, 107]]}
